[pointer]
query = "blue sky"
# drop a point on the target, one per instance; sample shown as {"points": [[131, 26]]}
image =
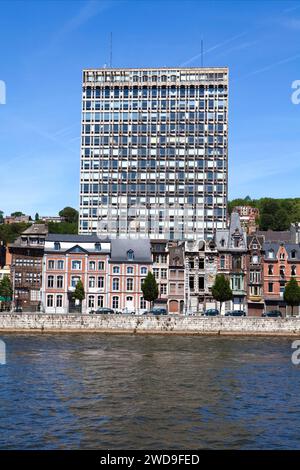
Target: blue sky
{"points": [[46, 44]]}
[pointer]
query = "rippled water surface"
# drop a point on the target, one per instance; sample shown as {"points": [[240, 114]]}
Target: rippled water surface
{"points": [[100, 391]]}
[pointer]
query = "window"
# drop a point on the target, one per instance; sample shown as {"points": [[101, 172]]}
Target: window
{"points": [[129, 284], [293, 270], [116, 283], [97, 246], [92, 282], [163, 273], [293, 254], [116, 269], [56, 246], [51, 264], [101, 265], [236, 262], [270, 286], [163, 258], [115, 302], [49, 300], [91, 301], [281, 256], [255, 259], [92, 265], [163, 289], [60, 264], [100, 283], [50, 281], [156, 273], [60, 282], [74, 281], [271, 253], [59, 299], [100, 302], [223, 242], [222, 262], [282, 271], [76, 265], [270, 269], [130, 255], [143, 303], [144, 270], [129, 270]]}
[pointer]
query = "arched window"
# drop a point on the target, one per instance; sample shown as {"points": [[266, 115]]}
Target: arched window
{"points": [[129, 270], [222, 261], [116, 269], [60, 282], [293, 270], [129, 284], [116, 283], [144, 270]]}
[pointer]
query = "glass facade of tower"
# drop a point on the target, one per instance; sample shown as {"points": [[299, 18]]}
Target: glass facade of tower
{"points": [[154, 152]]}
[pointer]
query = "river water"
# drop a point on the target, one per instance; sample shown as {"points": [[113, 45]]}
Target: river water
{"points": [[94, 391]]}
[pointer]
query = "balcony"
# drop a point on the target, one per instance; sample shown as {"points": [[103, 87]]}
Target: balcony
{"points": [[255, 298]]}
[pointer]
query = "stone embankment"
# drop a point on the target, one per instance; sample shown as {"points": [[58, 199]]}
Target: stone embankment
{"points": [[169, 324]]}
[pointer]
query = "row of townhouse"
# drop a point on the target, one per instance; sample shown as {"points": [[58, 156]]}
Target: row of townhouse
{"points": [[45, 269]]}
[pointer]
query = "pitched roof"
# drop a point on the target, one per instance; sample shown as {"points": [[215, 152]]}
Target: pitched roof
{"points": [[141, 249], [73, 238]]}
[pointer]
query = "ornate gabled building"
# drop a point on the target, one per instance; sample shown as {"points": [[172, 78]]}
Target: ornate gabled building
{"points": [[281, 263], [255, 275], [177, 289], [200, 272], [232, 253]]}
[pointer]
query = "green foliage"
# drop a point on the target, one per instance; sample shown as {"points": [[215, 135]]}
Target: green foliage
{"points": [[36, 217], [221, 290], [292, 293], [79, 293], [275, 214], [9, 232], [70, 214], [150, 288], [6, 288], [63, 227], [1, 217], [17, 214]]}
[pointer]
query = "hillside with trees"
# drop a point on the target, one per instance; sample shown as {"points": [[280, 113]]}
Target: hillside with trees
{"points": [[275, 214]]}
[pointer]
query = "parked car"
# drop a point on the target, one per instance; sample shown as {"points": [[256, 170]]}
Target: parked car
{"points": [[211, 312], [235, 313], [272, 313], [104, 311], [158, 311]]}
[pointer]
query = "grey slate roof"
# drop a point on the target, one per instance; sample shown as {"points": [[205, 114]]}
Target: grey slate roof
{"points": [[58, 237], [227, 234], [268, 245], [272, 236], [141, 248]]}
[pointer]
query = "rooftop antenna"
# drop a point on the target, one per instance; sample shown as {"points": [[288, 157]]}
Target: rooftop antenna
{"points": [[110, 48], [201, 52]]}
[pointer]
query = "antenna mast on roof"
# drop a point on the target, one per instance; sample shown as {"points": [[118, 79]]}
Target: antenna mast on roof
{"points": [[201, 52]]}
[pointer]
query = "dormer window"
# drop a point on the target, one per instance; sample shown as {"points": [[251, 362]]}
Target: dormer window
{"points": [[293, 254], [271, 254], [97, 246], [130, 255], [236, 242], [222, 242], [56, 246], [281, 255]]}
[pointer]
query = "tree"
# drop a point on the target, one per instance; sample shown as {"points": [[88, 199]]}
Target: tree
{"points": [[266, 222], [17, 214], [36, 217], [150, 288], [1, 217], [6, 290], [292, 294], [70, 214], [221, 290], [79, 293]]}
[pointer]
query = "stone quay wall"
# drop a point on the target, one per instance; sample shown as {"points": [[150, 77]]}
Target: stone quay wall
{"points": [[167, 324]]}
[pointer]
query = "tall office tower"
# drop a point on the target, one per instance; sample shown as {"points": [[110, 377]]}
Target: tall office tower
{"points": [[154, 152]]}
